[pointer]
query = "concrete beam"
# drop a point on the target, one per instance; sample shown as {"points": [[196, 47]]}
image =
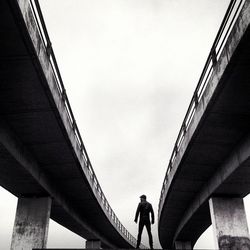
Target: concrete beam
{"points": [[31, 223], [93, 244], [182, 245], [229, 223]]}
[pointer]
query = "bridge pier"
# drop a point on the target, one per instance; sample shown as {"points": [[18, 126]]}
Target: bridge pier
{"points": [[31, 223], [183, 245], [229, 223], [93, 244]]}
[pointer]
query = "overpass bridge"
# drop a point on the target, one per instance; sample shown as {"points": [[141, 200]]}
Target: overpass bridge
{"points": [[208, 173], [43, 159]]}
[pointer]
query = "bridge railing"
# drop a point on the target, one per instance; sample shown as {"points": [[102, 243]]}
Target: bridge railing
{"points": [[35, 6], [228, 21]]}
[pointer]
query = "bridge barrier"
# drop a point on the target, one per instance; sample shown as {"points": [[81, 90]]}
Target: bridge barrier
{"points": [[231, 15], [89, 171]]}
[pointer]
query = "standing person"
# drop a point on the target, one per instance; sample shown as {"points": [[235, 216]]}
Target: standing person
{"points": [[144, 209]]}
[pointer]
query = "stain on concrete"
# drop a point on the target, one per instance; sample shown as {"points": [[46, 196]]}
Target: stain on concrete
{"points": [[227, 242], [20, 228]]}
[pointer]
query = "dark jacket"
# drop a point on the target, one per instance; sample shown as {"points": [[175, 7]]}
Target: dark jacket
{"points": [[144, 209]]}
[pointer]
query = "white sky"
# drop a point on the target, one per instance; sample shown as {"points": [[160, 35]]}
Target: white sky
{"points": [[130, 68]]}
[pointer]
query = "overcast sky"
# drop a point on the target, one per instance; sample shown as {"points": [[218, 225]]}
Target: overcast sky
{"points": [[130, 68]]}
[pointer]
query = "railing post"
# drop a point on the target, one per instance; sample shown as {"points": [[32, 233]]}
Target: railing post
{"points": [[64, 95], [213, 56], [49, 48], [175, 149], [74, 125], [196, 102], [170, 165], [184, 128]]}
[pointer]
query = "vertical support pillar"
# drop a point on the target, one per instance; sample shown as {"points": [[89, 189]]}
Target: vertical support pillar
{"points": [[183, 245], [229, 223], [31, 223], [93, 244]]}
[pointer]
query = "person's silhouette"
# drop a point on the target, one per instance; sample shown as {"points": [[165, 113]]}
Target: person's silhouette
{"points": [[144, 209]]}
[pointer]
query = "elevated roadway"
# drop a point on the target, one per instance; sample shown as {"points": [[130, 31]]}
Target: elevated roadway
{"points": [[211, 157], [41, 150]]}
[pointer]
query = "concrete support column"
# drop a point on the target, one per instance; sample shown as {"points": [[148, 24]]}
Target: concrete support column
{"points": [[96, 244], [31, 223], [183, 245], [229, 223]]}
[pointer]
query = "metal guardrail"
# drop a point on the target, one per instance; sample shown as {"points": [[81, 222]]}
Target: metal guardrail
{"points": [[228, 21], [35, 6]]}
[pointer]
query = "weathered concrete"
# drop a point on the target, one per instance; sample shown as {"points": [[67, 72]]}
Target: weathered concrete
{"points": [[40, 154], [93, 244], [229, 223], [214, 156], [31, 223], [183, 245]]}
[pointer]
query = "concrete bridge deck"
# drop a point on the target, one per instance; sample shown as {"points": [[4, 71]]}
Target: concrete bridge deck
{"points": [[41, 151], [212, 158]]}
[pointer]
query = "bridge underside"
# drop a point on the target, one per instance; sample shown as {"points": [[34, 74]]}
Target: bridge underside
{"points": [[216, 161], [223, 130], [37, 157]]}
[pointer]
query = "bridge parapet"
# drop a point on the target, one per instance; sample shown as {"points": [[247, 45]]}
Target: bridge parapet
{"points": [[212, 138], [35, 23], [216, 51]]}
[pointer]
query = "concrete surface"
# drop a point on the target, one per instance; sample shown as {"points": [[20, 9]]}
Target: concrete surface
{"points": [[229, 223], [39, 152], [183, 245], [93, 244], [31, 223], [214, 156]]}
